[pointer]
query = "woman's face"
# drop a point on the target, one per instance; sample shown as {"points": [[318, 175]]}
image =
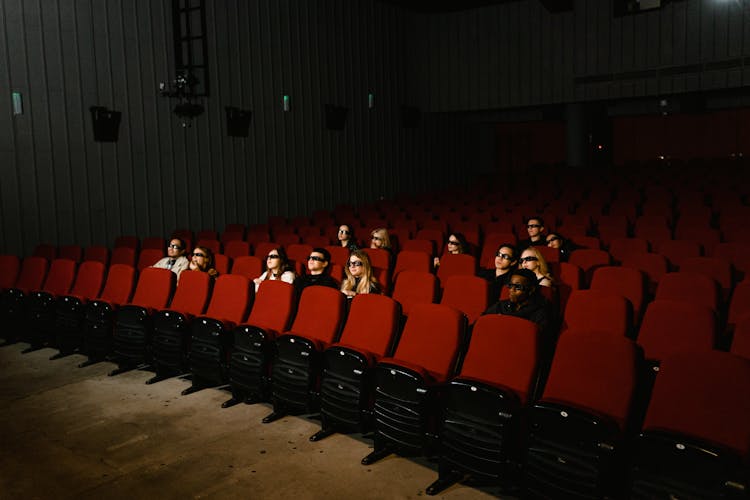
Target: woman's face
{"points": [[344, 233], [272, 260], [376, 240], [356, 266], [529, 260], [454, 246], [554, 241], [200, 259]]}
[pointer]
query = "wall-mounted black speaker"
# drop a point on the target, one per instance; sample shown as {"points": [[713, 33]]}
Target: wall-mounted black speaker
{"points": [[106, 124], [336, 116], [411, 116], [238, 122]]}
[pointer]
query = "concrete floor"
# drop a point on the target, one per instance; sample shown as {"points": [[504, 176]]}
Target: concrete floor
{"points": [[69, 432]]}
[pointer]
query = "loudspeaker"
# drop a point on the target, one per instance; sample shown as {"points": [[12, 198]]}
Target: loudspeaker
{"points": [[335, 116], [238, 122], [411, 116], [106, 124]]}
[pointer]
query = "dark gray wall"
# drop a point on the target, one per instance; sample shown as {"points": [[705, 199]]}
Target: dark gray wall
{"points": [[519, 54], [64, 56]]}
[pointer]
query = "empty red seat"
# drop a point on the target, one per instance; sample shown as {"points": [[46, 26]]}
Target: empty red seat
{"points": [[678, 250], [412, 260], [690, 287], [252, 352], [424, 360], [97, 252], [148, 257], [484, 404], [211, 334], [461, 264], [621, 248], [414, 287], [598, 311], [127, 242], [123, 255], [468, 294], [30, 277], [249, 266], [715, 268], [346, 391], [577, 429], [39, 304], [236, 248], [695, 441], [296, 366], [45, 250], [628, 282], [652, 265], [741, 339], [10, 266], [72, 252], [588, 259]]}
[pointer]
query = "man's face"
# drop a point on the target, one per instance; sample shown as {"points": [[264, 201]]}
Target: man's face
{"points": [[519, 289], [316, 263], [534, 228], [174, 249], [504, 259]]}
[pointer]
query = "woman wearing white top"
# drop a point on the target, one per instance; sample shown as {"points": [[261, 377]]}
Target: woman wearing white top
{"points": [[277, 267]]}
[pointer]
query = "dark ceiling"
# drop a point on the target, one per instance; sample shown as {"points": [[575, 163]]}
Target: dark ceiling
{"points": [[434, 6]]}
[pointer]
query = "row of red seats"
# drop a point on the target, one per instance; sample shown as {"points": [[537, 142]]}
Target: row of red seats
{"points": [[416, 378]]}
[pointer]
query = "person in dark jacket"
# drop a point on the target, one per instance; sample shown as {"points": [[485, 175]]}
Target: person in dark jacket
{"points": [[524, 300], [317, 265]]}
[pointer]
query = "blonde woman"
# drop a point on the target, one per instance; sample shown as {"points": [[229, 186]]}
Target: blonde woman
{"points": [[359, 276], [379, 238], [532, 260]]}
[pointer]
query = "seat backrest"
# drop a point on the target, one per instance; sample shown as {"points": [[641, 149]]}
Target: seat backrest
{"points": [[273, 306], [263, 248], [412, 260], [119, 285], [232, 297], [127, 241], [736, 253], [339, 254], [671, 325], [415, 287], [45, 250], [714, 267], [652, 265], [207, 234], [249, 266], [212, 244], [97, 252], [468, 294], [320, 314], [60, 277], [236, 248], [589, 258], [461, 264], [706, 236], [489, 247], [10, 266], [598, 311], [192, 294], [379, 257], [298, 252], [431, 339], [625, 281], [222, 263], [32, 274], [583, 364], [154, 288], [72, 252], [741, 338], [89, 279], [436, 236], [372, 324], [739, 306], [232, 235], [678, 250], [123, 255], [148, 257], [419, 245], [621, 248], [154, 242], [689, 287], [503, 351], [705, 396]]}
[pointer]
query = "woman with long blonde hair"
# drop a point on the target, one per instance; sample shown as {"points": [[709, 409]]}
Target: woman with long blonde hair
{"points": [[359, 276], [533, 260]]}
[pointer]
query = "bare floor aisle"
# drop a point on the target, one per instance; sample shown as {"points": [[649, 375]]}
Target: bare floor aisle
{"points": [[77, 433]]}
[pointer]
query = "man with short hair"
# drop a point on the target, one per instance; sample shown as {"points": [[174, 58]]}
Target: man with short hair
{"points": [[317, 264], [175, 260], [535, 229], [505, 261], [524, 300]]}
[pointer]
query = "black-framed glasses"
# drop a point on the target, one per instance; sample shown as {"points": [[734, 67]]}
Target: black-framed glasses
{"points": [[504, 256], [316, 258], [198, 254], [343, 231], [530, 258], [554, 238], [533, 226], [176, 247], [355, 263], [272, 256], [451, 242], [377, 238], [516, 286]]}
